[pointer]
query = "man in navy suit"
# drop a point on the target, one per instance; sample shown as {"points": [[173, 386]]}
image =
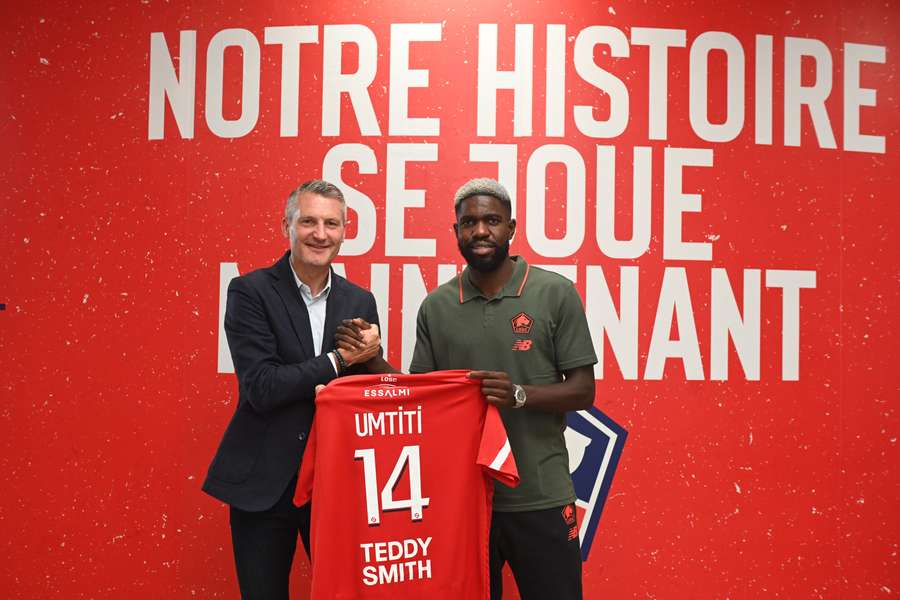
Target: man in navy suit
{"points": [[281, 322]]}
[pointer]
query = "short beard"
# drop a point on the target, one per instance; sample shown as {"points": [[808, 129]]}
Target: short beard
{"points": [[485, 264]]}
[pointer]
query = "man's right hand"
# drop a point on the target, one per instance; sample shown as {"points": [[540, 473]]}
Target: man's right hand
{"points": [[357, 340], [496, 387]]}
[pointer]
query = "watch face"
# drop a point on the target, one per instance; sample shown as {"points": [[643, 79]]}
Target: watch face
{"points": [[519, 395]]}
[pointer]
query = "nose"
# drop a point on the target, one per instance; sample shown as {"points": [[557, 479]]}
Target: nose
{"points": [[319, 231], [481, 230]]}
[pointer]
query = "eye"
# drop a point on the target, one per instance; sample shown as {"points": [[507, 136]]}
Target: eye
{"points": [[332, 223], [494, 221]]}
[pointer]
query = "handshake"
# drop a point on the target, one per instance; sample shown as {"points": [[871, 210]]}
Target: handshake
{"points": [[357, 341]]}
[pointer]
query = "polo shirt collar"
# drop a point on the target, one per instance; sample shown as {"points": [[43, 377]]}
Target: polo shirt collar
{"points": [[513, 287]]}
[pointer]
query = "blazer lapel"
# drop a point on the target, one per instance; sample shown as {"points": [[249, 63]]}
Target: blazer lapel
{"points": [[334, 310], [286, 287]]}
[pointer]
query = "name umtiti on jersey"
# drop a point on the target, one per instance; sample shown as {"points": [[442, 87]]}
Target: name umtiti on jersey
{"points": [[390, 422]]}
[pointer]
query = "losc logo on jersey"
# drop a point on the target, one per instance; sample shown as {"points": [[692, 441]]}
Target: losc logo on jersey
{"points": [[594, 442]]}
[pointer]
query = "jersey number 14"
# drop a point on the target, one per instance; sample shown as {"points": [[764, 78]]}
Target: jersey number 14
{"points": [[409, 456]]}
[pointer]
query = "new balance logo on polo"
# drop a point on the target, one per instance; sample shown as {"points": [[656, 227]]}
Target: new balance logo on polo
{"points": [[522, 345]]}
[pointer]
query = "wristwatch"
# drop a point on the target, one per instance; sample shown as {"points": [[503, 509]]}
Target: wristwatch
{"points": [[519, 395]]}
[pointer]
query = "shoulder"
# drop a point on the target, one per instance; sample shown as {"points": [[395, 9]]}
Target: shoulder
{"points": [[343, 285], [544, 276], [256, 279], [552, 290], [446, 293], [548, 280]]}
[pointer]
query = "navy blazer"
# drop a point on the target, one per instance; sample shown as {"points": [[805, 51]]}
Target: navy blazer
{"points": [[271, 344]]}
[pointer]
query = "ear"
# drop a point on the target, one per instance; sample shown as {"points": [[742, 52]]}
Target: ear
{"points": [[512, 228], [284, 228], [456, 229]]}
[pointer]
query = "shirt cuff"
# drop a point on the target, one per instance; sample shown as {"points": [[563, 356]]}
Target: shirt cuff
{"points": [[334, 366]]}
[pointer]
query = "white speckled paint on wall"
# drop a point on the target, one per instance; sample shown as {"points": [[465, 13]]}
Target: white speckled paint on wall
{"points": [[113, 403]]}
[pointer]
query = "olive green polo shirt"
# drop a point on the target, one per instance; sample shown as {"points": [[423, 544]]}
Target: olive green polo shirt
{"points": [[534, 329]]}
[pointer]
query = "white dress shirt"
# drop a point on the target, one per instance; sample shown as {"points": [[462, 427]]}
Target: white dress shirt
{"points": [[315, 306]]}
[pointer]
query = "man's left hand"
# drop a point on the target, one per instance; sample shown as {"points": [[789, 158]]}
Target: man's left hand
{"points": [[349, 334], [358, 340], [496, 387]]}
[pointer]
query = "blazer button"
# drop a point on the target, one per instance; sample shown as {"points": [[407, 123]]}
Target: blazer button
{"points": [[301, 436]]}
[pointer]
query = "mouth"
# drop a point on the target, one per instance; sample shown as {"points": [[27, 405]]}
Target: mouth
{"points": [[482, 249]]}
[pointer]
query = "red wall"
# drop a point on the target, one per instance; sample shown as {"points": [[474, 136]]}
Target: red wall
{"points": [[731, 485]]}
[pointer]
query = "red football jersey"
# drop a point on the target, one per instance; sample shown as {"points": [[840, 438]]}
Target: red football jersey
{"points": [[398, 468]]}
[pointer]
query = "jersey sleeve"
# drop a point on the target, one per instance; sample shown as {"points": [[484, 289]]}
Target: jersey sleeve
{"points": [[572, 337], [494, 453], [307, 470]]}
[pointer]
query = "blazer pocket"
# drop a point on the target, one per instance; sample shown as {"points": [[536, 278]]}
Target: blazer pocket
{"points": [[240, 448]]}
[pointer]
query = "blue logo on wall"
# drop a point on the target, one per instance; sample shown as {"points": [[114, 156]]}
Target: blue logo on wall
{"points": [[595, 444]]}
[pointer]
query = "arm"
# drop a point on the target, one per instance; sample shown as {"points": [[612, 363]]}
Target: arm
{"points": [[267, 382], [423, 360], [576, 392]]}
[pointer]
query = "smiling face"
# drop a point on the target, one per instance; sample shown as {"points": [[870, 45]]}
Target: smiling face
{"points": [[316, 230], [483, 231]]}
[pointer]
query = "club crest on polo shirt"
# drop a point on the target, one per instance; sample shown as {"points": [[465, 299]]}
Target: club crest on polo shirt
{"points": [[521, 323]]}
